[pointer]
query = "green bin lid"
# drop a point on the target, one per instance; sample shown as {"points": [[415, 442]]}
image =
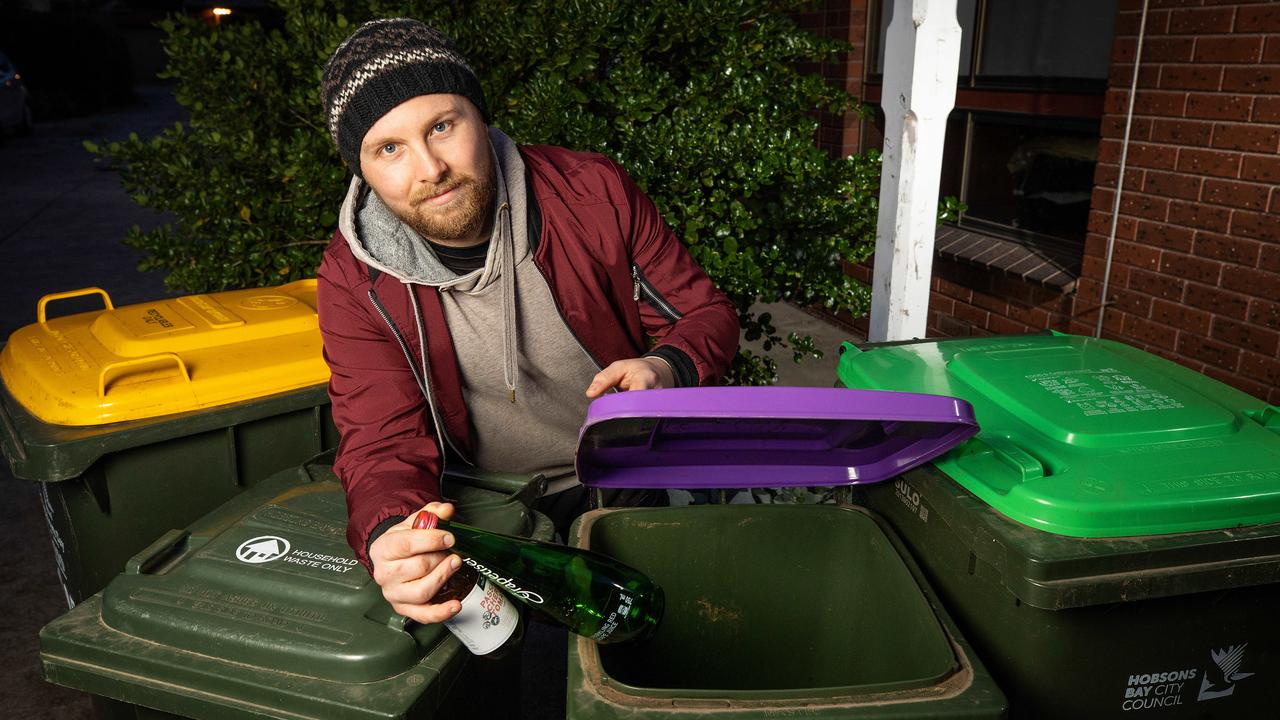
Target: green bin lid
{"points": [[1092, 438], [260, 610]]}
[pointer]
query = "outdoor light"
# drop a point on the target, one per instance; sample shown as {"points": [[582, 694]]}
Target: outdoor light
{"points": [[221, 11]]}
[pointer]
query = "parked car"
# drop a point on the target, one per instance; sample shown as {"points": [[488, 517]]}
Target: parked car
{"points": [[15, 101]]}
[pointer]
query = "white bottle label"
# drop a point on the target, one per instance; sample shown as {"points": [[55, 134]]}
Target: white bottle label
{"points": [[486, 620]]}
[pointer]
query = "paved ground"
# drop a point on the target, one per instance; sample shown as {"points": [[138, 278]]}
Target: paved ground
{"points": [[61, 222]]}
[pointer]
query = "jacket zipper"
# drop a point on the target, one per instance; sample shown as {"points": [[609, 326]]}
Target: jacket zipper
{"points": [[423, 383], [651, 293]]}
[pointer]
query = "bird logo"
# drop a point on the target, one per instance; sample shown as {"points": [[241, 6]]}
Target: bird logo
{"points": [[1220, 678]]}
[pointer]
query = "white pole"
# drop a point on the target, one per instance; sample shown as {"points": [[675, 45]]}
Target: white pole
{"points": [[921, 62]]}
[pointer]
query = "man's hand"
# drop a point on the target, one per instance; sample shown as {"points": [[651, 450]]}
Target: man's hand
{"points": [[645, 373], [411, 566]]}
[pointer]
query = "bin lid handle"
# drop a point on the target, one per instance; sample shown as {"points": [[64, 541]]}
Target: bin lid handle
{"points": [[43, 303], [115, 370]]}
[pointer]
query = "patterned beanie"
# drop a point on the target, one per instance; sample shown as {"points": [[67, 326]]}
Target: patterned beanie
{"points": [[382, 64]]}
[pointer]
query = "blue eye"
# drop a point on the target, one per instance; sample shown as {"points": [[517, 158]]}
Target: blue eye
{"points": [[388, 149], [440, 127]]}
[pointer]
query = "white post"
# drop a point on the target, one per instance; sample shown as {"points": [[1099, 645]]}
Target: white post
{"points": [[921, 60]]}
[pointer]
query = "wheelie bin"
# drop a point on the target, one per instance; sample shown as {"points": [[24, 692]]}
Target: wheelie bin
{"points": [[137, 419], [797, 611], [1110, 541], [259, 610]]}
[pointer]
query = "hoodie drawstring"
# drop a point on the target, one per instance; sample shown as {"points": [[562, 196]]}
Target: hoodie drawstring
{"points": [[510, 339]]}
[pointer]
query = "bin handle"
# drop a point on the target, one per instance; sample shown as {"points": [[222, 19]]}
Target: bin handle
{"points": [[1268, 417], [112, 370], [1023, 463], [44, 301], [165, 546]]}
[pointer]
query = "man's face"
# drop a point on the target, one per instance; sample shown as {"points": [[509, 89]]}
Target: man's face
{"points": [[428, 159]]}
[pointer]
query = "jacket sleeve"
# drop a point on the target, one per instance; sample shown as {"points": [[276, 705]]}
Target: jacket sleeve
{"points": [[388, 458], [695, 325]]}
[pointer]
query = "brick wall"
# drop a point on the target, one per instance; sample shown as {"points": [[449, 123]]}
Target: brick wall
{"points": [[842, 20], [1195, 275]]}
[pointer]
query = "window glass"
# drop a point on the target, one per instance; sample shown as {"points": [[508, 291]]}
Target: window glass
{"points": [[966, 12], [1062, 39], [1032, 174]]}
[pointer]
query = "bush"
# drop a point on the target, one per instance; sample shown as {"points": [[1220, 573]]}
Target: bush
{"points": [[700, 101]]}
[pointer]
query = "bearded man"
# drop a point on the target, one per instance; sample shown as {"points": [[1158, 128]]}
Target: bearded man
{"points": [[476, 296]]}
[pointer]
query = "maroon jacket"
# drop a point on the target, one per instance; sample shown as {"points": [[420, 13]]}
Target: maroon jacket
{"points": [[619, 277]]}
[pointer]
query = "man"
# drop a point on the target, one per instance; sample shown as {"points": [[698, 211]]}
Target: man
{"points": [[476, 296]]}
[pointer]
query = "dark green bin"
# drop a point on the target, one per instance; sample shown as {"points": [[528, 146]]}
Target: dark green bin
{"points": [[776, 611], [108, 491], [1110, 541], [191, 629]]}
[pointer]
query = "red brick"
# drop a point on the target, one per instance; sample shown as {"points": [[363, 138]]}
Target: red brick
{"points": [[1201, 270], [1157, 22], [1217, 301], [1247, 337], [1166, 49], [1227, 249], [1100, 223], [1121, 76], [1264, 79], [1160, 103], [1251, 138], [1266, 314], [1211, 162], [992, 304], [1139, 205], [941, 305], [1256, 389], [1236, 194], [1139, 129], [1155, 284], [1219, 106], [1148, 332], [1257, 283], [1232, 49], [1258, 18], [1182, 132], [1211, 352], [1171, 185], [1261, 169], [1158, 157], [954, 291], [1255, 225], [1105, 175], [1266, 110], [971, 315], [1263, 369], [1138, 256], [1164, 236], [1131, 302], [1002, 325], [1029, 316], [1201, 217], [1191, 77], [1269, 258], [1182, 317], [1198, 21], [1271, 54]]}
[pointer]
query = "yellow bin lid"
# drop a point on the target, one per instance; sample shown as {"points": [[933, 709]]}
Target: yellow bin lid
{"points": [[167, 356]]}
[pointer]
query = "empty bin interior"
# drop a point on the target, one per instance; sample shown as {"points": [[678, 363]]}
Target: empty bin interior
{"points": [[772, 598]]}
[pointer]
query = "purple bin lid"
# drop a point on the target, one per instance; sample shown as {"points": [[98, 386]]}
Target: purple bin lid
{"points": [[744, 437]]}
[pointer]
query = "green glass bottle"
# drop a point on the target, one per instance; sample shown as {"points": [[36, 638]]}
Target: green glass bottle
{"points": [[589, 593]]}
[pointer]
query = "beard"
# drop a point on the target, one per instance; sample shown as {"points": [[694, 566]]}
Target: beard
{"points": [[464, 216]]}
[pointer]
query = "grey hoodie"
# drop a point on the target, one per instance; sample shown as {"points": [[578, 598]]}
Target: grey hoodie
{"points": [[524, 375]]}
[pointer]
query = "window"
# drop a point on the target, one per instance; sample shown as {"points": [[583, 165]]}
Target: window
{"points": [[1022, 142]]}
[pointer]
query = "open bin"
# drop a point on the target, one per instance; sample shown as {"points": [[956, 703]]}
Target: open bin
{"points": [[771, 610], [138, 419], [1110, 541], [259, 610]]}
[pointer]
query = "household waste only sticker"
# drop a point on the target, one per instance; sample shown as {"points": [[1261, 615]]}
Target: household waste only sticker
{"points": [[267, 548], [1217, 678]]}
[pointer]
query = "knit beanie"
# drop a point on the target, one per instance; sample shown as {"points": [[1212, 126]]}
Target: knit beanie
{"points": [[382, 64]]}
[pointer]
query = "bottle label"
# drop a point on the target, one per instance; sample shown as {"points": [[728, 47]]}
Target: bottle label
{"points": [[507, 583], [486, 620], [618, 607]]}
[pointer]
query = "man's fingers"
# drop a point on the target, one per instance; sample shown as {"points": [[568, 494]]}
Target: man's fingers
{"points": [[428, 614], [399, 544], [606, 379], [419, 591]]}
